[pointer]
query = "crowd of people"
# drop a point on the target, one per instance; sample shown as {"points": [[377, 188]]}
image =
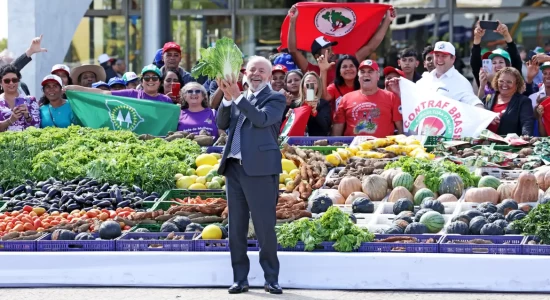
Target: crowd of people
{"points": [[341, 91]]}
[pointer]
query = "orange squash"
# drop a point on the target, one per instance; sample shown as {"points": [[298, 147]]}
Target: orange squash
{"points": [[375, 186], [480, 195], [355, 195], [447, 198], [505, 191], [336, 197], [348, 185], [400, 193], [527, 189]]}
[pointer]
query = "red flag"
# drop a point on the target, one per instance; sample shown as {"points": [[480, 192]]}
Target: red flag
{"points": [[296, 122], [349, 24]]}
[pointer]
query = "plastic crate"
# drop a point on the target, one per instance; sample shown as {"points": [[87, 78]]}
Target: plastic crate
{"points": [[420, 247], [131, 242], [18, 246], [214, 149], [309, 140], [504, 148], [181, 193], [45, 244], [534, 249], [499, 173], [300, 247], [512, 246], [221, 245]]}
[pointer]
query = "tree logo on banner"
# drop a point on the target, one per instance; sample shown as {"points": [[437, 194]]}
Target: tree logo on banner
{"points": [[335, 21], [433, 122], [123, 116]]}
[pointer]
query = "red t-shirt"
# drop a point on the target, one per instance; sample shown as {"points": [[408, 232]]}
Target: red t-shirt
{"points": [[331, 73], [499, 109], [337, 96], [372, 115]]}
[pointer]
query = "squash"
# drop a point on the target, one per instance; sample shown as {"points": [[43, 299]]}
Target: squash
{"points": [[110, 230], [487, 207], [447, 198], [506, 206], [169, 227], [472, 213], [355, 195], [389, 174], [348, 185], [476, 224], [540, 177], [375, 186], [181, 222], [511, 229], [419, 184], [462, 217], [401, 223], [515, 215], [451, 183], [458, 227], [399, 193], [494, 217], [334, 195], [416, 228], [505, 191], [406, 215], [320, 203], [433, 204], [362, 205], [394, 230], [527, 189], [502, 223], [526, 208], [84, 236], [480, 195], [491, 229], [65, 235], [403, 204]]}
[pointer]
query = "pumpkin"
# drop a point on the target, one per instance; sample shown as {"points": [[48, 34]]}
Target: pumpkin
{"points": [[400, 193], [362, 205], [451, 183], [527, 189], [375, 186], [462, 217], [487, 207], [402, 205], [416, 228], [502, 223], [394, 230], [480, 195], [515, 215], [476, 224], [494, 217], [447, 198], [320, 203], [334, 195], [546, 181], [505, 191], [355, 195], [406, 215], [458, 227], [110, 230], [506, 206], [433, 204], [348, 185], [511, 229], [389, 174], [491, 229], [418, 184], [540, 177]]}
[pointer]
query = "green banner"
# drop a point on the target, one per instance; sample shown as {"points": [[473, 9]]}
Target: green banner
{"points": [[121, 113]]}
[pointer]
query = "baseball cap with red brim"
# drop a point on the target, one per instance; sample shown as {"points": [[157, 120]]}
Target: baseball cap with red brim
{"points": [[389, 70], [171, 46], [61, 67], [369, 63], [444, 47], [279, 68], [52, 78]]}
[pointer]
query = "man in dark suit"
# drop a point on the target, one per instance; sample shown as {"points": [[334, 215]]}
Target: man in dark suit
{"points": [[251, 163]]}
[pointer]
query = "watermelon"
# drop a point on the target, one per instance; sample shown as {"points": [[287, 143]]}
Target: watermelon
{"points": [[403, 179], [489, 181], [421, 194], [433, 220]]}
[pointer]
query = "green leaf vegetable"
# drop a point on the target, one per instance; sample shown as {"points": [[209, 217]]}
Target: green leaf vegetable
{"points": [[221, 61], [537, 222], [432, 171], [334, 226], [117, 157]]}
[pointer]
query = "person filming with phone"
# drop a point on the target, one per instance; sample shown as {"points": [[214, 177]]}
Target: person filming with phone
{"points": [[16, 112]]}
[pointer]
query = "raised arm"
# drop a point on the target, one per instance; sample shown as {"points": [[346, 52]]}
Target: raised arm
{"points": [[299, 59], [79, 88], [475, 58], [371, 45], [25, 58]]}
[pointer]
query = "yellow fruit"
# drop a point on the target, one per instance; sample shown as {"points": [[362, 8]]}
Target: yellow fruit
{"points": [[194, 177], [290, 185], [178, 176], [288, 180], [353, 149], [201, 179], [211, 232], [197, 186], [288, 165], [283, 177], [217, 155], [333, 159], [190, 172], [204, 169], [344, 154], [216, 167], [282, 186], [293, 173], [185, 182], [206, 159]]}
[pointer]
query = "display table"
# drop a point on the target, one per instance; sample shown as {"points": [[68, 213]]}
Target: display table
{"points": [[346, 271]]}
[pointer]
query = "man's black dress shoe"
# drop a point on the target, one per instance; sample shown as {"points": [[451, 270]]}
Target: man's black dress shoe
{"points": [[238, 287], [273, 288]]}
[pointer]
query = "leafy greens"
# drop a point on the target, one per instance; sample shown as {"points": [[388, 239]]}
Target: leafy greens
{"points": [[221, 61]]}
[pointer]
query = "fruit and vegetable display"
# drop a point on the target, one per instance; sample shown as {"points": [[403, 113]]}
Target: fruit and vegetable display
{"points": [[196, 210], [205, 176], [203, 139], [117, 157], [311, 170]]}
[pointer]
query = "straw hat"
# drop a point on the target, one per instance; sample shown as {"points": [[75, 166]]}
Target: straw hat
{"points": [[97, 70]]}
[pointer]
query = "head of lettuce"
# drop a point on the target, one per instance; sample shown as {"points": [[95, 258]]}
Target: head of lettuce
{"points": [[220, 61]]}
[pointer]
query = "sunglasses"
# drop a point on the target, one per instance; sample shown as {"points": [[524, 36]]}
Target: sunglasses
{"points": [[170, 80], [14, 80], [149, 78], [194, 92]]}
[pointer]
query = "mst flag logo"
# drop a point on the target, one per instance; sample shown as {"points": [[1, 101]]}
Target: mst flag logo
{"points": [[123, 116], [335, 21]]}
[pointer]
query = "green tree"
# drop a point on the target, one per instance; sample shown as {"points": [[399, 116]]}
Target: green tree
{"points": [[3, 44]]}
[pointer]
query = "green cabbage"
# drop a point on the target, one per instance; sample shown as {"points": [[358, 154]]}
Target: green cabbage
{"points": [[220, 61]]}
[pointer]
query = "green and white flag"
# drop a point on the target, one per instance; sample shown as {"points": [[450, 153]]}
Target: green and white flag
{"points": [[121, 113]]}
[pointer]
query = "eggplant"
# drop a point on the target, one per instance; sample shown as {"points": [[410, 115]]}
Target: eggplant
{"points": [[72, 207], [63, 208], [104, 187], [137, 189], [28, 189], [89, 197], [79, 191], [150, 198], [92, 183], [104, 204], [45, 188], [52, 193], [89, 190], [97, 201], [40, 194], [88, 203], [6, 198], [155, 194], [79, 199], [40, 184], [64, 199], [102, 195], [74, 181], [124, 203], [138, 203], [18, 190], [69, 188], [118, 196], [83, 181], [88, 208]]}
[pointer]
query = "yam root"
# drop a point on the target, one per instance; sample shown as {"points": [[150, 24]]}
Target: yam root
{"points": [[207, 219], [225, 212], [204, 140]]}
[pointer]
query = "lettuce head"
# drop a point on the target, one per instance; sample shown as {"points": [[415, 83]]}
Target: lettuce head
{"points": [[220, 61]]}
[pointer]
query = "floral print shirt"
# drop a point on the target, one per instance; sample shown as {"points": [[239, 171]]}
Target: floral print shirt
{"points": [[21, 124]]}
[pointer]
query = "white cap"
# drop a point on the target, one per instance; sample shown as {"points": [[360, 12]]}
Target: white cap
{"points": [[444, 47], [52, 78], [129, 76], [61, 67], [103, 58]]}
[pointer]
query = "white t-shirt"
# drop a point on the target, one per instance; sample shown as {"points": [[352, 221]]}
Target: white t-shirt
{"points": [[451, 84], [534, 96]]}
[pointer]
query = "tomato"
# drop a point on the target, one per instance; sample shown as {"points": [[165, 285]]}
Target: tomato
{"points": [[127, 227], [91, 214], [112, 214], [103, 216], [2, 227], [27, 208], [40, 229], [64, 215], [19, 228], [28, 226], [37, 223], [55, 213], [33, 214], [54, 222], [18, 223], [15, 214]]}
